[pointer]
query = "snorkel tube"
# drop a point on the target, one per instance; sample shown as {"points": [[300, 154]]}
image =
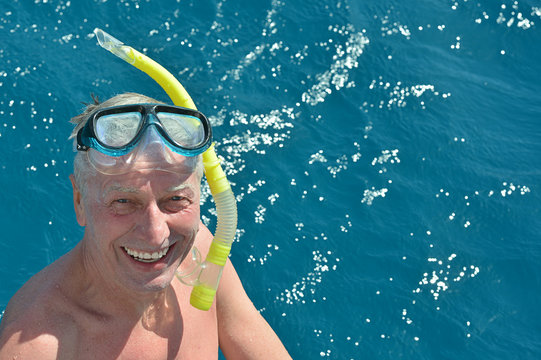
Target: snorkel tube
{"points": [[204, 276]]}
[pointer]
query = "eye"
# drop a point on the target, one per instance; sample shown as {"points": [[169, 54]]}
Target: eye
{"points": [[122, 206], [181, 200], [177, 203]]}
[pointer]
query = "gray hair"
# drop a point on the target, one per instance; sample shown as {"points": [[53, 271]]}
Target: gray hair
{"points": [[82, 169]]}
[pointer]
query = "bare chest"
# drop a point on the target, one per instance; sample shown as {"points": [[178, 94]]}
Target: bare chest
{"points": [[186, 334]]}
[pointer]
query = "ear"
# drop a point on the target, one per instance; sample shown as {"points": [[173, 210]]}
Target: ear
{"points": [[78, 202]]}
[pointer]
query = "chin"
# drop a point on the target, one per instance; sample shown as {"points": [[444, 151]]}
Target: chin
{"points": [[157, 284]]}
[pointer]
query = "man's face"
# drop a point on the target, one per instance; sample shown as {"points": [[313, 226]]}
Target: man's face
{"points": [[140, 226]]}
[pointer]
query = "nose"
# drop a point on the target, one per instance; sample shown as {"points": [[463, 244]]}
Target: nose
{"points": [[153, 226]]}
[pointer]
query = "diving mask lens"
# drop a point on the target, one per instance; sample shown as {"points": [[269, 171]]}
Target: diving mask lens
{"points": [[185, 130], [117, 130]]}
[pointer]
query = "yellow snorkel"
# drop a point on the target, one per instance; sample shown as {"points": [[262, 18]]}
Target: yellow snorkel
{"points": [[204, 276]]}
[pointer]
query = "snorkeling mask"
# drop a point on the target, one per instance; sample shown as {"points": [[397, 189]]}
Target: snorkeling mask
{"points": [[185, 132], [153, 136]]}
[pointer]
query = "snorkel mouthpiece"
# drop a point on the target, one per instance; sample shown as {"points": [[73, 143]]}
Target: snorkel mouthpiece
{"points": [[204, 276]]}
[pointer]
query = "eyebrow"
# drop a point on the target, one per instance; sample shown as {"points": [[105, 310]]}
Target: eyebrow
{"points": [[180, 187], [133, 190]]}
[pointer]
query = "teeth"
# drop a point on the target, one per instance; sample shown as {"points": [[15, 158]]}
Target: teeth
{"points": [[144, 256]]}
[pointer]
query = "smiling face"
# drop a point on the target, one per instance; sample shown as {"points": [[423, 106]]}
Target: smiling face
{"points": [[139, 226]]}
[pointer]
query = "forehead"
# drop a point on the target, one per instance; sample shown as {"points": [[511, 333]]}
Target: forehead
{"points": [[151, 180]]}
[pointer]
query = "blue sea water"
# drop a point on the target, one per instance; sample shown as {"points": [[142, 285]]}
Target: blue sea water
{"points": [[385, 156]]}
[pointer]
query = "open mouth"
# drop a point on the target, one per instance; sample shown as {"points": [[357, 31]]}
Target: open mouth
{"points": [[146, 257]]}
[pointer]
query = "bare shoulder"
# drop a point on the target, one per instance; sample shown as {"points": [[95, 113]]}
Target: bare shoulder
{"points": [[34, 320], [242, 330]]}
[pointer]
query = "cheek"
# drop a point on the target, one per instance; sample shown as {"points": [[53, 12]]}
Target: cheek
{"points": [[188, 220], [101, 225], [95, 214], [193, 216]]}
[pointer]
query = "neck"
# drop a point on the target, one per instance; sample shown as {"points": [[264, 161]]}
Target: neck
{"points": [[101, 295]]}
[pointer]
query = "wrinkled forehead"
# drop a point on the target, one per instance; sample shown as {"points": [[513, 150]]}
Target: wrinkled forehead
{"points": [[157, 181]]}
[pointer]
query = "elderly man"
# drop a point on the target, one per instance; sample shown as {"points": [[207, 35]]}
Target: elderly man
{"points": [[115, 295]]}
